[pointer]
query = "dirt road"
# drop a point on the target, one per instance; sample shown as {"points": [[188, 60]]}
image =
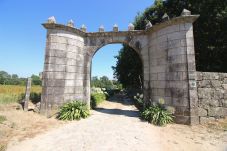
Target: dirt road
{"points": [[115, 126]]}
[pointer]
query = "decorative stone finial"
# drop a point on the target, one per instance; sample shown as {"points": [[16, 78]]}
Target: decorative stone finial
{"points": [[131, 27], [83, 28], [51, 20], [149, 25], [165, 17], [186, 12], [115, 28], [70, 23], [101, 28]]}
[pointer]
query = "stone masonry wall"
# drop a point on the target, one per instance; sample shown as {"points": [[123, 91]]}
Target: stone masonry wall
{"points": [[169, 67], [212, 95]]}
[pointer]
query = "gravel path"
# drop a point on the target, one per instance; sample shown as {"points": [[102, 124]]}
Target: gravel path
{"points": [[113, 126]]}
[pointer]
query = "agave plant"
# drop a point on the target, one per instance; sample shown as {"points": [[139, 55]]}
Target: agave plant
{"points": [[74, 110], [157, 114]]}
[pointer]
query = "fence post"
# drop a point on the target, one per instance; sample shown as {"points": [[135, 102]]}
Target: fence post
{"points": [[27, 93]]}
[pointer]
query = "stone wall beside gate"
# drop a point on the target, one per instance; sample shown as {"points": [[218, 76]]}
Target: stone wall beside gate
{"points": [[212, 95]]}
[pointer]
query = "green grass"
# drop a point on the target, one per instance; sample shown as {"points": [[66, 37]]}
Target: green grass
{"points": [[2, 119]]}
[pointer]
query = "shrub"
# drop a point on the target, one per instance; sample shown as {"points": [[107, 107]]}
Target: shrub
{"points": [[74, 110], [35, 97], [158, 114], [96, 99]]}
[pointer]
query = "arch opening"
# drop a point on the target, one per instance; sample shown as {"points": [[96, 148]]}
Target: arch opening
{"points": [[114, 69]]}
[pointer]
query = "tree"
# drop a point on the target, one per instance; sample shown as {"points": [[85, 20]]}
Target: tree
{"points": [[128, 69], [36, 80]]}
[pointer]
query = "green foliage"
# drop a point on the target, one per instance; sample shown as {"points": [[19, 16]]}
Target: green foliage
{"points": [[74, 110], [35, 97], [7, 79], [96, 99], [104, 82], [36, 80], [128, 69], [2, 119], [157, 115]]}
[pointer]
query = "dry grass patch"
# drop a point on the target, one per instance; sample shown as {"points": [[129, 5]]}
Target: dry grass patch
{"points": [[17, 125]]}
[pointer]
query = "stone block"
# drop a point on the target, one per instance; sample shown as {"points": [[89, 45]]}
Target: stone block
{"points": [[224, 86], [180, 102], [202, 112], [182, 120], [176, 43], [56, 53], [190, 50], [194, 120], [161, 92], [191, 67], [218, 94], [205, 93], [215, 111], [162, 76], [224, 109], [190, 42], [199, 76], [204, 84], [210, 76], [177, 67], [215, 83], [204, 120], [177, 51], [177, 35], [56, 46]]}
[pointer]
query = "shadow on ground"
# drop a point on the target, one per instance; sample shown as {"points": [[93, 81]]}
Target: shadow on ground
{"points": [[129, 113]]}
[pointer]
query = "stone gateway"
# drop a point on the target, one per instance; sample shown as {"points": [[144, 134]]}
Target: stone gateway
{"points": [[166, 51]]}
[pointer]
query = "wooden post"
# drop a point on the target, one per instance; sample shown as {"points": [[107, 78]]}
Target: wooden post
{"points": [[27, 94]]}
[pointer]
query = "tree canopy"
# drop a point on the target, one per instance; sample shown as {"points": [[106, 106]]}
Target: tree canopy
{"points": [[7, 79]]}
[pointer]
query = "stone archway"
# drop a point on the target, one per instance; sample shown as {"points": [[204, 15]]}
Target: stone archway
{"points": [[166, 51]]}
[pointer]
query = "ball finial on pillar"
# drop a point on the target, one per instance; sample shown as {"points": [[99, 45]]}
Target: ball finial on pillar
{"points": [[101, 28], [115, 28], [83, 28], [131, 27], [51, 20], [165, 17], [186, 12], [149, 25], [70, 23]]}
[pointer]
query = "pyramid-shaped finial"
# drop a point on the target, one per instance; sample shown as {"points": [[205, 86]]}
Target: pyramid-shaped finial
{"points": [[186, 12], [101, 28], [149, 25], [83, 28], [115, 28], [165, 17], [70, 23], [131, 27], [51, 20]]}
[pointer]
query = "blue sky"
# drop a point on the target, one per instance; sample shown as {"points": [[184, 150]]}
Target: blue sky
{"points": [[22, 38]]}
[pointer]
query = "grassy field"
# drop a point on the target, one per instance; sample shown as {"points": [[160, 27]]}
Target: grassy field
{"points": [[15, 93]]}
